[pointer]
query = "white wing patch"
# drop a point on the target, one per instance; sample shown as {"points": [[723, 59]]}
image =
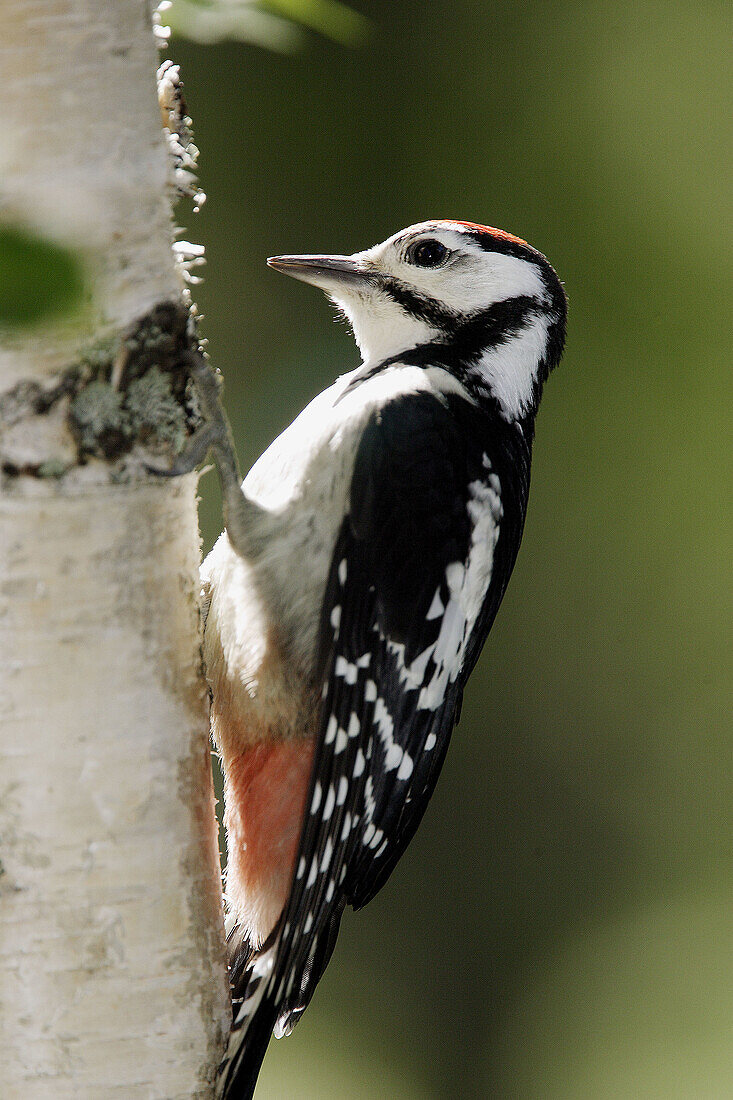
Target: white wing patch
{"points": [[467, 585], [436, 608]]}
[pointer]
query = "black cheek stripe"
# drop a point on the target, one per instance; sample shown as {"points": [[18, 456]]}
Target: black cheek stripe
{"points": [[420, 306]]}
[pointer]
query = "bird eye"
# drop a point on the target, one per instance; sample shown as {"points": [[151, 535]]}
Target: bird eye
{"points": [[427, 253]]}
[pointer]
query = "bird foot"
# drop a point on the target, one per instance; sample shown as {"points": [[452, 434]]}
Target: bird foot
{"points": [[214, 435], [193, 454]]}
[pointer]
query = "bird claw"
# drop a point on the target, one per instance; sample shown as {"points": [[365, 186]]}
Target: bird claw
{"points": [[193, 453], [213, 435]]}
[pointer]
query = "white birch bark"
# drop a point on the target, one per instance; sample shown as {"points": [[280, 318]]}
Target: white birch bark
{"points": [[84, 160], [112, 971]]}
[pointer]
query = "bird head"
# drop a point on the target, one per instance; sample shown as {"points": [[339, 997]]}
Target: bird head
{"points": [[479, 301]]}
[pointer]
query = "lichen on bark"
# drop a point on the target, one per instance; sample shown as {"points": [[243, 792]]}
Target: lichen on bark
{"points": [[123, 394]]}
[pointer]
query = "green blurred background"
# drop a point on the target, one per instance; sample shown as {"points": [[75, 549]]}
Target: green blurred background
{"points": [[562, 925]]}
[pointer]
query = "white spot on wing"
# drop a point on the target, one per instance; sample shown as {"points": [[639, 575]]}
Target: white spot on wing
{"points": [[341, 742], [454, 575], [330, 800], [405, 769], [317, 792], [436, 608], [413, 675], [446, 655], [393, 753], [346, 670], [369, 803], [327, 856]]}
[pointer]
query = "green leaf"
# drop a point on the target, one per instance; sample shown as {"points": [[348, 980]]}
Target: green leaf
{"points": [[40, 280], [329, 17], [275, 24]]}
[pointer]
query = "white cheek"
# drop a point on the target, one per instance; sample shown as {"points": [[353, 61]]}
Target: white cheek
{"points": [[510, 370], [483, 280], [381, 328]]}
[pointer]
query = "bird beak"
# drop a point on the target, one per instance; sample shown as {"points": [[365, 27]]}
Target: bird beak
{"points": [[329, 273]]}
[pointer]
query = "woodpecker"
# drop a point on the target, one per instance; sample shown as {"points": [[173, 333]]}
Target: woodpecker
{"points": [[364, 559]]}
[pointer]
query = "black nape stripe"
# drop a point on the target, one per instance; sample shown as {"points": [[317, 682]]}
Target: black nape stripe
{"points": [[493, 326]]}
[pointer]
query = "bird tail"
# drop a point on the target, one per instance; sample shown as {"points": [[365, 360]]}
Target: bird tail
{"points": [[259, 1008], [254, 1013]]}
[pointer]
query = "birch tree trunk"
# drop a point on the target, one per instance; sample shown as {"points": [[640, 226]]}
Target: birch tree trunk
{"points": [[112, 966]]}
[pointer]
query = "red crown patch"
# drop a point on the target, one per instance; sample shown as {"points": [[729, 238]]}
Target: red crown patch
{"points": [[500, 233]]}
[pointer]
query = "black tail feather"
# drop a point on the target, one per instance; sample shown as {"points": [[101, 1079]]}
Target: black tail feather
{"points": [[240, 1070], [253, 1029], [293, 1007]]}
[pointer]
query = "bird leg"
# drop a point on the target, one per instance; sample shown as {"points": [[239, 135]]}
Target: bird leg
{"points": [[215, 436]]}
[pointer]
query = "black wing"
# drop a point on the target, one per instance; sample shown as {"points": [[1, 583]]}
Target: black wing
{"points": [[418, 572]]}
